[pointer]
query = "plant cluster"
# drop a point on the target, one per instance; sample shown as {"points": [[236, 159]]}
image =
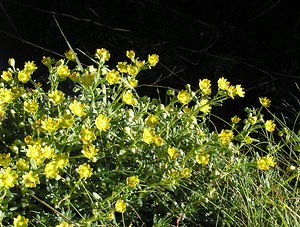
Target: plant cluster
{"points": [[104, 156]]}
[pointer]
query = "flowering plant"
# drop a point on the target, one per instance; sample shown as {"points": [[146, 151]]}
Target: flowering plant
{"points": [[104, 156]]}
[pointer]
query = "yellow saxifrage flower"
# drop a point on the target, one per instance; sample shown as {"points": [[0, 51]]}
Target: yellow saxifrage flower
{"points": [[204, 106], [31, 106], [186, 173], [264, 101], [87, 135], [153, 59], [122, 67], [205, 86], [50, 124], [226, 136], [56, 97], [265, 162], [20, 221], [84, 171], [6, 95], [5, 159], [77, 108], [235, 119], [89, 151], [102, 123], [113, 77], [120, 206], [64, 224], [223, 84], [270, 125], [63, 71], [30, 180], [152, 121], [8, 178], [128, 98], [184, 97], [158, 140], [70, 55], [51, 170], [22, 165], [132, 181], [130, 54], [67, 120], [202, 158], [102, 54], [239, 90], [173, 153], [148, 136], [30, 67], [24, 76], [6, 75]]}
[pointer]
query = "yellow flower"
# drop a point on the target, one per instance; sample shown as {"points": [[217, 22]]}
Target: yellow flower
{"points": [[265, 162], [120, 206], [6, 75], [235, 119], [51, 170], [231, 91], [132, 82], [248, 139], [30, 67], [56, 97], [153, 59], [152, 121], [35, 153], [128, 98], [22, 165], [64, 224], [148, 136], [87, 135], [122, 67], [70, 55], [264, 101], [46, 61], [270, 125], [252, 119], [50, 124], [2, 111], [77, 108], [132, 70], [158, 140], [202, 158], [89, 151], [113, 77], [102, 122], [102, 54], [173, 153], [223, 84], [30, 180], [5, 159], [184, 97], [8, 178], [130, 54], [84, 171], [24, 76], [6, 95], [204, 106], [31, 106], [61, 160], [239, 90], [20, 221], [132, 181], [63, 71], [67, 120], [226, 136], [205, 86], [186, 173]]}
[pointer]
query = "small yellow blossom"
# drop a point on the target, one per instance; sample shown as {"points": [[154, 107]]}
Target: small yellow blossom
{"points": [[148, 136], [35, 152], [6, 95], [132, 181], [120, 206], [61, 160], [102, 122], [152, 120], [204, 106], [5, 159], [122, 67], [20, 221], [87, 136], [8, 178], [205, 86], [2, 111], [51, 170], [248, 139], [186, 173], [70, 55], [56, 97], [264, 101], [50, 124], [89, 151], [22, 165], [132, 70], [46, 61], [102, 54], [153, 59], [77, 108], [239, 90], [223, 84], [63, 71], [113, 77], [31, 106], [226, 136], [132, 82], [265, 162], [130, 54], [270, 125], [202, 158], [30, 67], [6, 75], [24, 76], [128, 98], [64, 224], [184, 97], [173, 153], [235, 119], [252, 119], [158, 140], [30, 180], [84, 171], [67, 120]]}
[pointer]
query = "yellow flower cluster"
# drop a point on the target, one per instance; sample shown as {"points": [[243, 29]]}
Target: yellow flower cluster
{"points": [[149, 137], [225, 136], [270, 125], [265, 162], [231, 90]]}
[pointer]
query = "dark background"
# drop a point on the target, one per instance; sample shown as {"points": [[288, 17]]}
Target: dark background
{"points": [[253, 43]]}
